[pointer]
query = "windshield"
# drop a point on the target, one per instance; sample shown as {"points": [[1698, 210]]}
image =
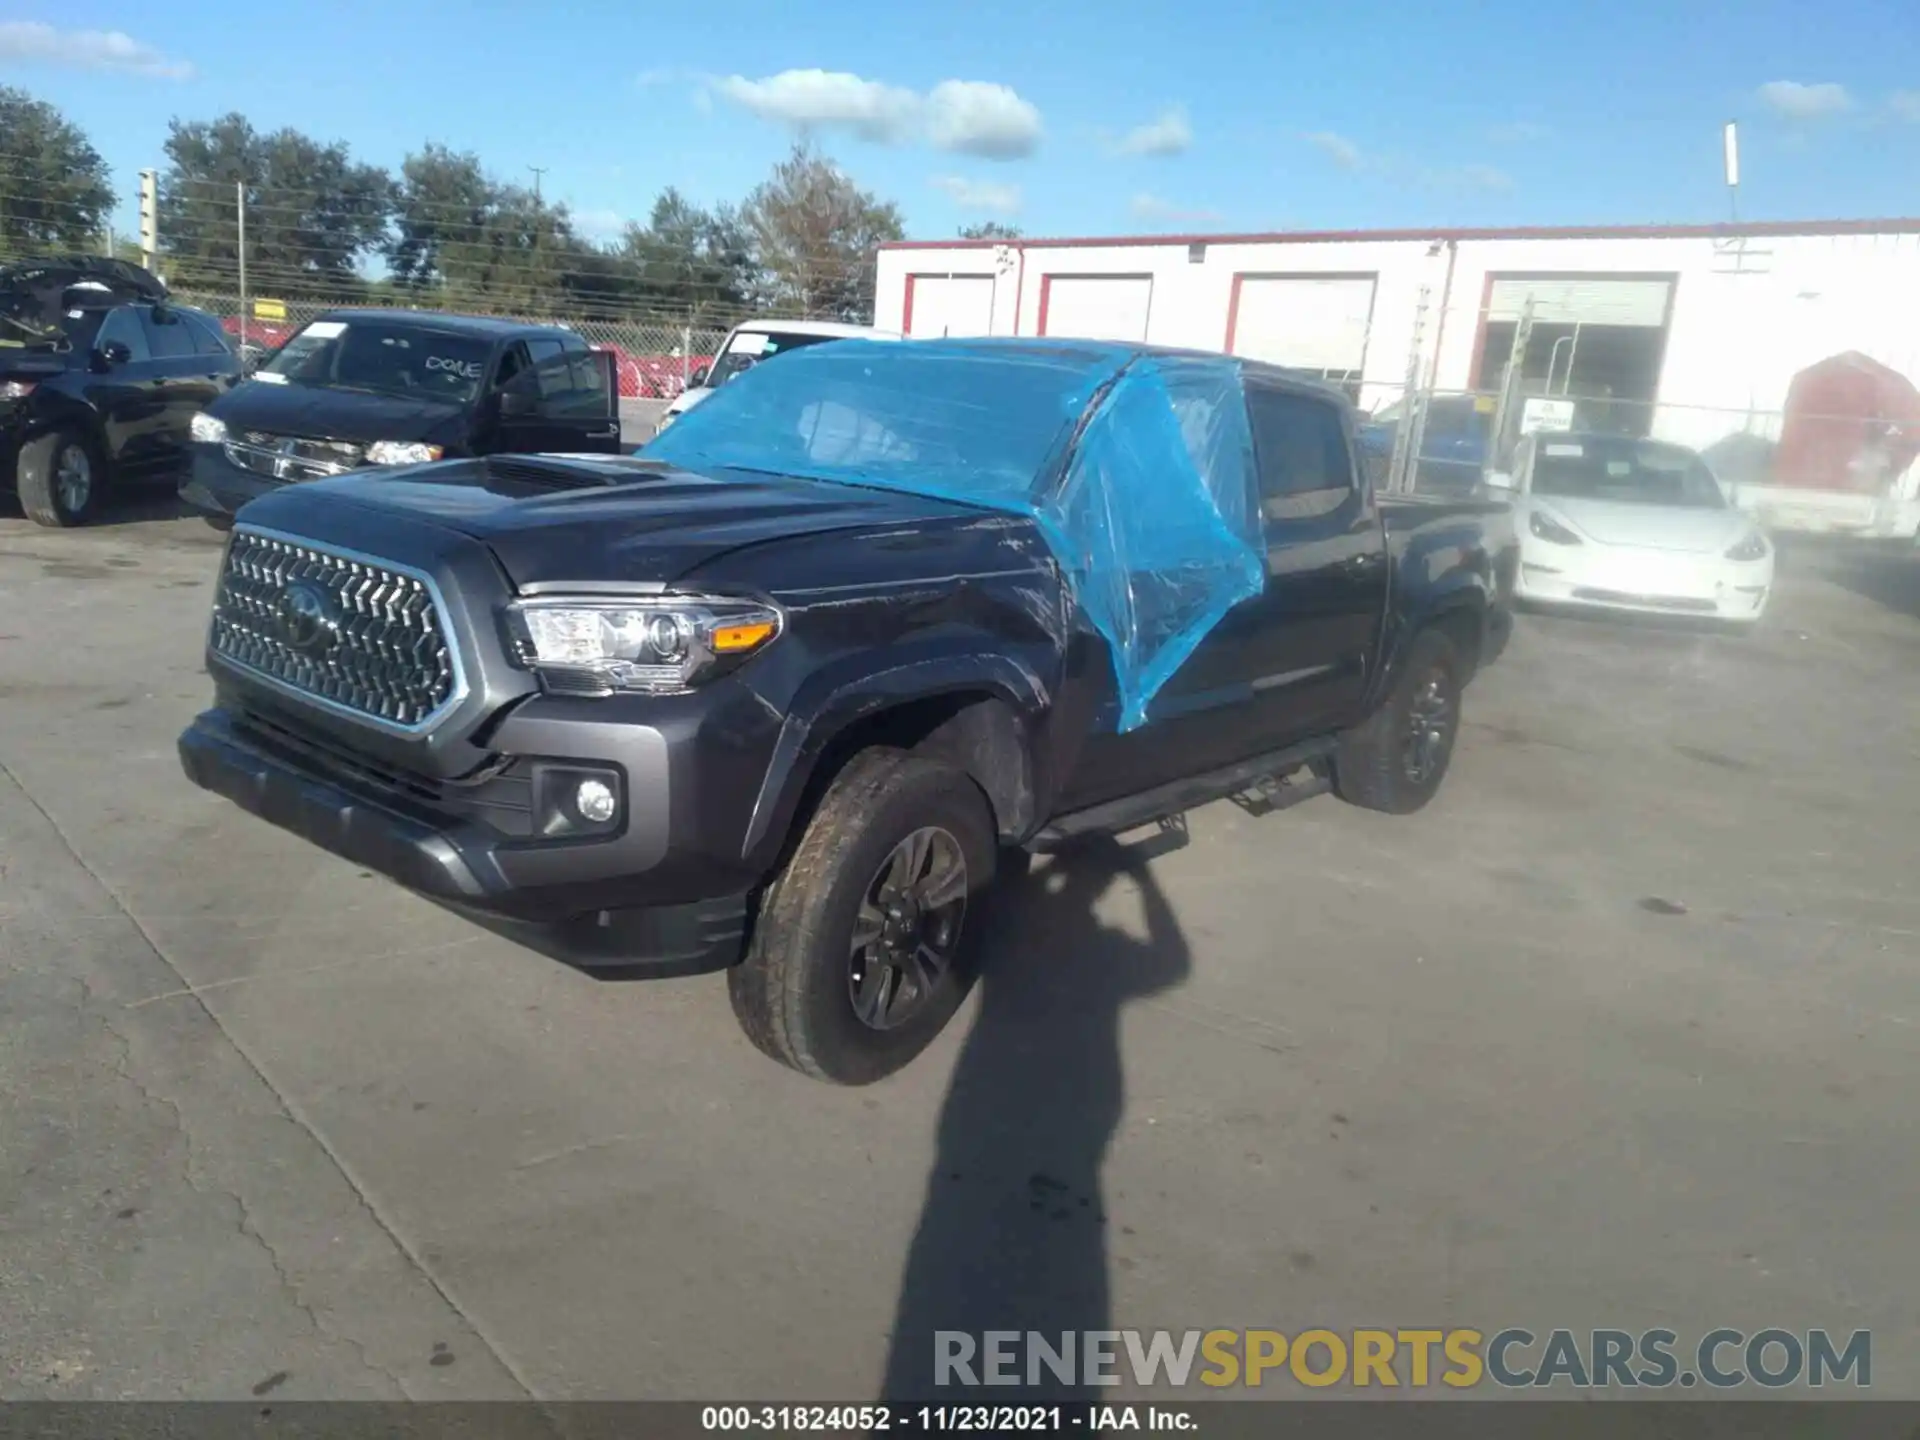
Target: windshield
{"points": [[383, 358], [749, 347], [899, 417], [1631, 472]]}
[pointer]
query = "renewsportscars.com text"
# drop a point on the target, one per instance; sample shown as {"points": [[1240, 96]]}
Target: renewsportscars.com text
{"points": [[1413, 1359]]}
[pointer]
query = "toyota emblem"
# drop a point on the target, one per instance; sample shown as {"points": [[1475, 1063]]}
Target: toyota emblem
{"points": [[307, 618]]}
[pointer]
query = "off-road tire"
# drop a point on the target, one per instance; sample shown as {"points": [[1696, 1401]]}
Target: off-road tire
{"points": [[37, 479], [1370, 767], [790, 994]]}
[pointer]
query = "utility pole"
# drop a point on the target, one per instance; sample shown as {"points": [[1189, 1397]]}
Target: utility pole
{"points": [[149, 218], [240, 201], [1732, 161], [538, 171]]}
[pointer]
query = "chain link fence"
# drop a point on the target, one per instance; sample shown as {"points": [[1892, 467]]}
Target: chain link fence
{"points": [[656, 357]]}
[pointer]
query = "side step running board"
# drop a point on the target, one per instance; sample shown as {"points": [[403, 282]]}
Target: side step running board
{"points": [[1262, 774]]}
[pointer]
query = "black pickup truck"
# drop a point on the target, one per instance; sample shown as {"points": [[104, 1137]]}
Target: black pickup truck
{"points": [[650, 714]]}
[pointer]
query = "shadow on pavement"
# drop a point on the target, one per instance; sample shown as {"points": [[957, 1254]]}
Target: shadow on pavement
{"points": [[133, 505], [1886, 577], [1013, 1232]]}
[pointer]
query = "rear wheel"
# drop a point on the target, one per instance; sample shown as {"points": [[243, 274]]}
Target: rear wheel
{"points": [[60, 479], [1396, 760], [860, 954]]}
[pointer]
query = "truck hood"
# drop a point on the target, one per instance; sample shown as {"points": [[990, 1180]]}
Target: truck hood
{"points": [[687, 399], [315, 413], [554, 521]]}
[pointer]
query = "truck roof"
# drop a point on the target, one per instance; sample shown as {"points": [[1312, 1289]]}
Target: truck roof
{"points": [[1069, 345]]}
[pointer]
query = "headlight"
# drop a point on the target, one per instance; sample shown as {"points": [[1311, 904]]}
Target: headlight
{"points": [[15, 389], [401, 452], [1550, 529], [656, 645], [207, 430], [1753, 547]]}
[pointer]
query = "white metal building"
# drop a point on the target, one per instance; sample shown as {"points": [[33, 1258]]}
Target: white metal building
{"points": [[1700, 328]]}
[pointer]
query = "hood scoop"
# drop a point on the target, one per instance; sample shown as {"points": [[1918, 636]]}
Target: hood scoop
{"points": [[557, 473]]}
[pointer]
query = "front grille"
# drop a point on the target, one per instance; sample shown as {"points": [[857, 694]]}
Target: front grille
{"points": [[292, 457], [1681, 603], [349, 632]]}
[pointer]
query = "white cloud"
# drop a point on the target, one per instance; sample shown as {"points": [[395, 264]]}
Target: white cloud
{"points": [[979, 194], [1905, 104], [1342, 151], [1152, 207], [828, 99], [1805, 102], [968, 117], [974, 117], [111, 50], [1170, 134]]}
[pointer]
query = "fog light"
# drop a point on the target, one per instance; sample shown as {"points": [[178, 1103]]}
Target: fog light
{"points": [[595, 801]]}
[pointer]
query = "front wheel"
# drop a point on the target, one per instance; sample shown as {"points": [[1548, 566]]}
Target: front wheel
{"points": [[860, 954], [59, 479], [1395, 761]]}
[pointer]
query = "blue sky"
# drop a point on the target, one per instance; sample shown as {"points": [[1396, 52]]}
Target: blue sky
{"points": [[1063, 116]]}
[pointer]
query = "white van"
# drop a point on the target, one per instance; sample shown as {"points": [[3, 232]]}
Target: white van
{"points": [[747, 345]]}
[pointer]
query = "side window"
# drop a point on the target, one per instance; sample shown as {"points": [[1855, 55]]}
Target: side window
{"points": [[168, 337], [1301, 449], [570, 387], [208, 338], [588, 399], [124, 327], [512, 362]]}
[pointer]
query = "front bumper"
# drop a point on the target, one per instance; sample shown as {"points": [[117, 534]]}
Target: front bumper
{"points": [[1646, 583], [535, 892], [217, 488]]}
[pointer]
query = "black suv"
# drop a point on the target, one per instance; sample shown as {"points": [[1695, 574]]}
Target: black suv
{"points": [[100, 378], [362, 388]]}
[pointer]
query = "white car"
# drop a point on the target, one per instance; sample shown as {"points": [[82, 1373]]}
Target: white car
{"points": [[757, 340], [1607, 522]]}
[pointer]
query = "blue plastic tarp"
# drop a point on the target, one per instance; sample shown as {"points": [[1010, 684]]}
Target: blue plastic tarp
{"points": [[1137, 467]]}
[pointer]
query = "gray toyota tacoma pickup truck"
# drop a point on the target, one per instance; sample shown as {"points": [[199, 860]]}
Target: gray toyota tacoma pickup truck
{"points": [[785, 720]]}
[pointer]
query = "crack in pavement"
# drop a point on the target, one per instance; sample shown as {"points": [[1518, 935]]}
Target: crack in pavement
{"points": [[244, 1224], [288, 1110]]}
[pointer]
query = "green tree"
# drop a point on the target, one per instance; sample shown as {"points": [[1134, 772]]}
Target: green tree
{"points": [[443, 205], [990, 230], [814, 233], [55, 190], [689, 261], [474, 241], [312, 212]]}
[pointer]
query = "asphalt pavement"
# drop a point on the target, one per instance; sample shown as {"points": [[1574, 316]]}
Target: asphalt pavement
{"points": [[1622, 1031]]}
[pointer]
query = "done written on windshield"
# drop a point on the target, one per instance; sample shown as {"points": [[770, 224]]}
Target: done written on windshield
{"points": [[407, 360]]}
